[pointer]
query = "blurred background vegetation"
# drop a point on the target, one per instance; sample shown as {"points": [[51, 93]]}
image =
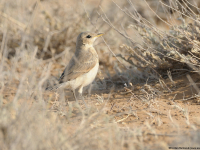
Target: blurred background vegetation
{"points": [[144, 40]]}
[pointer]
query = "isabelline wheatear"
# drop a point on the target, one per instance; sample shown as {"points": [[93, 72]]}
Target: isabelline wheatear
{"points": [[82, 68]]}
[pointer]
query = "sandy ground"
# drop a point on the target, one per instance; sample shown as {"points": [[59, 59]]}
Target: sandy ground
{"points": [[165, 116], [158, 112]]}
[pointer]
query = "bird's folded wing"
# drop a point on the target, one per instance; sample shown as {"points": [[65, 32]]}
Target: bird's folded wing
{"points": [[79, 65]]}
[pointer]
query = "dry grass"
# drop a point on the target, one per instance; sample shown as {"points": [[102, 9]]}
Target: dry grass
{"points": [[141, 98]]}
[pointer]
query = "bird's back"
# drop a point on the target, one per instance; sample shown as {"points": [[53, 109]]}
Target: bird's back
{"points": [[82, 62]]}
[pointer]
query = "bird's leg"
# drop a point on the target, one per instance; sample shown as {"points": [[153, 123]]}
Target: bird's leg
{"points": [[80, 95], [74, 95]]}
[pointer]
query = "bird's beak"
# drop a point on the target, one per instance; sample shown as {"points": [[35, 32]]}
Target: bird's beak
{"points": [[99, 34]]}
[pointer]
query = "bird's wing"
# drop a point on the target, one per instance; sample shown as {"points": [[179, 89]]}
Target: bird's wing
{"points": [[81, 63]]}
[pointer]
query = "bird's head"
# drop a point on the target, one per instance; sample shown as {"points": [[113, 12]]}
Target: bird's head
{"points": [[87, 38]]}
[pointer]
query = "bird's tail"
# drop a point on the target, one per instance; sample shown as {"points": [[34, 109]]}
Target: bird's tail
{"points": [[53, 88], [51, 84], [57, 86]]}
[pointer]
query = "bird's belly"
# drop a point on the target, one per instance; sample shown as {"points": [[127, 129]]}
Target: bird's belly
{"points": [[90, 76], [86, 78]]}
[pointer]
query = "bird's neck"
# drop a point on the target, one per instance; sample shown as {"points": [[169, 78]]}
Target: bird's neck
{"points": [[84, 46]]}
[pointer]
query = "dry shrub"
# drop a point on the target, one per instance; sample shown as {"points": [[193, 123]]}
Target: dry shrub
{"points": [[160, 51], [36, 35]]}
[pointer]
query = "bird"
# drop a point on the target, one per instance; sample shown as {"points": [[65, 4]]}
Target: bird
{"points": [[83, 66]]}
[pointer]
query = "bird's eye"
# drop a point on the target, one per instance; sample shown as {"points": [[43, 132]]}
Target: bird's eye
{"points": [[88, 36]]}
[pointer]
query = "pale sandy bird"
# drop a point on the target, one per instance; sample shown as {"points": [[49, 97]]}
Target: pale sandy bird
{"points": [[82, 68]]}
